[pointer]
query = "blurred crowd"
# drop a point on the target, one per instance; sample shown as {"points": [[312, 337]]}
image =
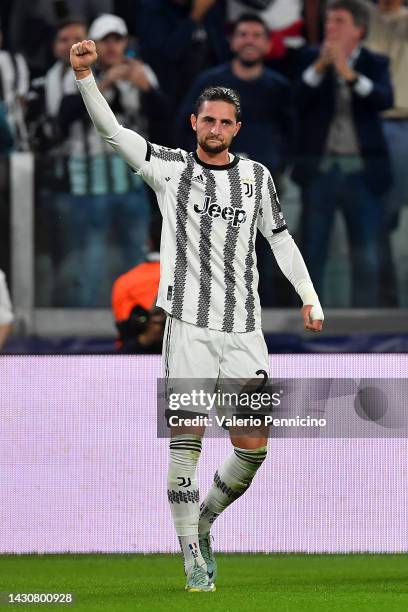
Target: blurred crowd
{"points": [[324, 98]]}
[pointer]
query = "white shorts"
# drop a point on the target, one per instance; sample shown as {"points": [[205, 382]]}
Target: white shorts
{"points": [[197, 359], [190, 351]]}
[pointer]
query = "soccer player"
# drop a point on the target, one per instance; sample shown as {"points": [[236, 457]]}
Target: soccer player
{"points": [[212, 204]]}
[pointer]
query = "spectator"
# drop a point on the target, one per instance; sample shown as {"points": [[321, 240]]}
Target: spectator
{"points": [[6, 313], [180, 39], [265, 98], [6, 137], [31, 26], [5, 214], [14, 84], [343, 160], [388, 34], [268, 120], [139, 322], [285, 23], [56, 173], [47, 92], [114, 199]]}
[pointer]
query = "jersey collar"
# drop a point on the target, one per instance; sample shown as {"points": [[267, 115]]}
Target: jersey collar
{"points": [[231, 164]]}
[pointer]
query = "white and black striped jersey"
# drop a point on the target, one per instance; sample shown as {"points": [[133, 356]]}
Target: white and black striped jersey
{"points": [[210, 218], [211, 215]]}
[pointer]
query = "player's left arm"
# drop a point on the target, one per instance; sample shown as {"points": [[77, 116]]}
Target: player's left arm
{"points": [[272, 225], [291, 263]]}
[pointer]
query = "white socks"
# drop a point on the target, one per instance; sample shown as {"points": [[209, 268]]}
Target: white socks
{"points": [[183, 495], [230, 482]]}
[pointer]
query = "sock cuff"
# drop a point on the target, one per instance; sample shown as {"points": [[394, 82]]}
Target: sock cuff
{"points": [[186, 442], [185, 450], [255, 455], [186, 436]]}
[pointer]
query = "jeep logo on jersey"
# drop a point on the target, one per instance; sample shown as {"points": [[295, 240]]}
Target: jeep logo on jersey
{"points": [[214, 210]]}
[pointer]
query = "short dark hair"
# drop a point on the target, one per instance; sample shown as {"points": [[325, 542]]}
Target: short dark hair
{"points": [[224, 94], [248, 18], [357, 10]]}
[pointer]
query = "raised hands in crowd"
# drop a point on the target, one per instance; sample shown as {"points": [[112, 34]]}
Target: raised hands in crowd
{"points": [[129, 70]]}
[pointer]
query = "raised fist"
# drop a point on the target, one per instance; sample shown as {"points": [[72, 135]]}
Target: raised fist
{"points": [[83, 55]]}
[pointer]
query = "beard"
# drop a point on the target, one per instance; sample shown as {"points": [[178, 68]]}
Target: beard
{"points": [[212, 148], [250, 63]]}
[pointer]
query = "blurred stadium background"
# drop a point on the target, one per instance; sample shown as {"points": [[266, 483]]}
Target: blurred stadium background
{"points": [[44, 329]]}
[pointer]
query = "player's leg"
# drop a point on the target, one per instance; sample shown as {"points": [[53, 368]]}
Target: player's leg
{"points": [[185, 358], [231, 480], [183, 493], [246, 354]]}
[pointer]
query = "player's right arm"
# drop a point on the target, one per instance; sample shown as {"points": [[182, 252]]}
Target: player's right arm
{"points": [[130, 145]]}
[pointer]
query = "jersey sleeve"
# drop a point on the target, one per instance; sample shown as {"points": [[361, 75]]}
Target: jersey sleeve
{"points": [[130, 145], [160, 165], [152, 162], [270, 218]]}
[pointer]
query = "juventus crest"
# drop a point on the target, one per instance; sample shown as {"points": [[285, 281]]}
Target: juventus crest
{"points": [[248, 187]]}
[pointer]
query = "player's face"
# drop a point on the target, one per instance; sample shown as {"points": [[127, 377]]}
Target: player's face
{"points": [[340, 28], [216, 125], [111, 50], [66, 37], [250, 42]]}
